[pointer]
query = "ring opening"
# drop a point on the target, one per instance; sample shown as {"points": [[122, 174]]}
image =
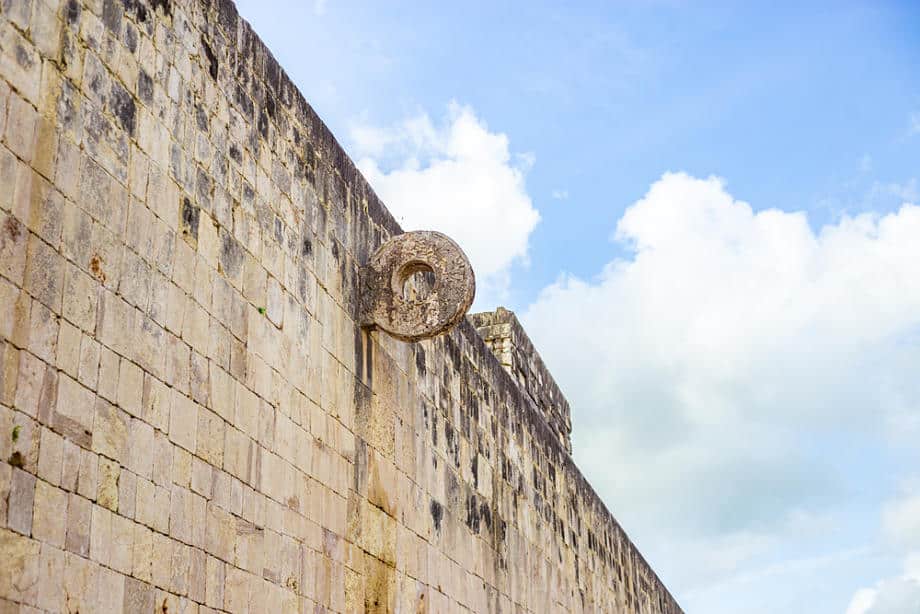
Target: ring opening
{"points": [[415, 280]]}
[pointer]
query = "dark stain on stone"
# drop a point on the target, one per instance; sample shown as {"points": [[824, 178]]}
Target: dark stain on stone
{"points": [[236, 154], [22, 56], [190, 217], [309, 166], [486, 514], [144, 86], [16, 459], [112, 12], [226, 12], [501, 530], [302, 285], [165, 5], [437, 513], [140, 10], [123, 107], [243, 100], [72, 12], [204, 185], [263, 124], [369, 361], [212, 59], [131, 37], [272, 74], [95, 267], [452, 445], [201, 118], [472, 514], [452, 488], [420, 360], [231, 255], [306, 247], [12, 228], [361, 473], [359, 353]]}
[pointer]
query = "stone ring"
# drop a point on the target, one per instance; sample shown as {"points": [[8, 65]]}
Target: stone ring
{"points": [[417, 285]]}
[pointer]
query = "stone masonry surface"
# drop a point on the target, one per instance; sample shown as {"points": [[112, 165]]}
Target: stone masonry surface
{"points": [[190, 418], [505, 336]]}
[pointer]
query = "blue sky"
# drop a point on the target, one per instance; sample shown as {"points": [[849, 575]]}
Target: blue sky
{"points": [[724, 193]]}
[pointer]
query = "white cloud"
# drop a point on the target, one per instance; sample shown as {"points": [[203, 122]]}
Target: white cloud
{"points": [[708, 368], [914, 121], [560, 194], [457, 177], [862, 601], [897, 595]]}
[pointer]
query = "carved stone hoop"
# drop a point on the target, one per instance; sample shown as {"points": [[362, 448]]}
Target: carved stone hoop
{"points": [[417, 285]]}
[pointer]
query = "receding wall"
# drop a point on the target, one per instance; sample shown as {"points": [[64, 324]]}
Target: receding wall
{"points": [[190, 420]]}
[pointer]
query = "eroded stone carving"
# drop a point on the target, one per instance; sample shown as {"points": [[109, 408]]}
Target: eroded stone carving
{"points": [[417, 285]]}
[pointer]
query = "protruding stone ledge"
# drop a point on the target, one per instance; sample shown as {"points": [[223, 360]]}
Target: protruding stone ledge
{"points": [[417, 285]]}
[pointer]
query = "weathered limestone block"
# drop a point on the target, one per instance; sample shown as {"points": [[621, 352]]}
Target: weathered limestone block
{"points": [[19, 574]]}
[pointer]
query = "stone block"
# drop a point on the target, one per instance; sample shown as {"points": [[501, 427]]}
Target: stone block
{"points": [[80, 298], [88, 369], [140, 448], [81, 585], [43, 332], [183, 422], [210, 437], [131, 388], [20, 572], [122, 551], [88, 476], [74, 412], [109, 365], [21, 501], [79, 519], [111, 591], [68, 349], [110, 431], [49, 520], [108, 472], [21, 122], [139, 596]]}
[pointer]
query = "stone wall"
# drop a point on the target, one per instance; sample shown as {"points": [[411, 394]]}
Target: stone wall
{"points": [[505, 336], [190, 420]]}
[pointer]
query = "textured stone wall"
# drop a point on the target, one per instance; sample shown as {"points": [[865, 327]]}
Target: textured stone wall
{"points": [[190, 420], [505, 336]]}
